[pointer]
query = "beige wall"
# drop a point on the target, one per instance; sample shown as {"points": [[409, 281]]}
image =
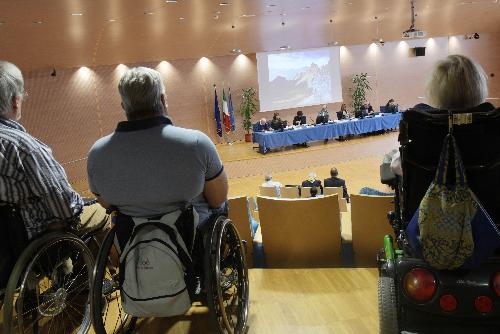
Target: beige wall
{"points": [[73, 109]]}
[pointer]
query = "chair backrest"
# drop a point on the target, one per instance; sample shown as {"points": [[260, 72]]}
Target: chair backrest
{"points": [[300, 232], [305, 192], [369, 226], [421, 136], [238, 213], [289, 192], [339, 191], [268, 191]]}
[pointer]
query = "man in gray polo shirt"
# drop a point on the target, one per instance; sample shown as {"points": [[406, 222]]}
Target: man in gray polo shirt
{"points": [[148, 166]]}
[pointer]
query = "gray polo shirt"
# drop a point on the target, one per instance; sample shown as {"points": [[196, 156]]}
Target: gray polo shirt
{"points": [[150, 167]]}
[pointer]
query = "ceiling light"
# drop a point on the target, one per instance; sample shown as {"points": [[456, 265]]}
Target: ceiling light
{"points": [[236, 51], [111, 20], [333, 43], [284, 47], [148, 13], [271, 5], [76, 14], [182, 18], [38, 22], [216, 17], [348, 3], [171, 1], [223, 4], [247, 15]]}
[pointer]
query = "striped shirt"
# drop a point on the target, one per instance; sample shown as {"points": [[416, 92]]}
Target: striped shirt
{"points": [[33, 180]]}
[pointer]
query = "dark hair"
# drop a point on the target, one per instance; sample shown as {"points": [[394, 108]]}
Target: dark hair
{"points": [[314, 191], [276, 115], [334, 172], [299, 113]]}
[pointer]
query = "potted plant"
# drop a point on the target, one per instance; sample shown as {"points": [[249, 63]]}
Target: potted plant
{"points": [[361, 85], [248, 107]]}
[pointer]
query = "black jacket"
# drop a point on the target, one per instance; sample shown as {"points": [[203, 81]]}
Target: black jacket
{"points": [[336, 182], [316, 183], [301, 119]]}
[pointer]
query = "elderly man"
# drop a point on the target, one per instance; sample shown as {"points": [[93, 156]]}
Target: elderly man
{"points": [[30, 177], [148, 166]]}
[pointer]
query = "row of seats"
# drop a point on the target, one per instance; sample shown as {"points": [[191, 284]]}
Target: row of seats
{"points": [[305, 192], [308, 233]]}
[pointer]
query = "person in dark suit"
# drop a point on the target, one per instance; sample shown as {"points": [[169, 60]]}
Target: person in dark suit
{"points": [[312, 181], [260, 126], [300, 119], [276, 123], [334, 181]]}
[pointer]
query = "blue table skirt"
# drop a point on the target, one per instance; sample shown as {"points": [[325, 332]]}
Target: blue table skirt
{"points": [[326, 131]]}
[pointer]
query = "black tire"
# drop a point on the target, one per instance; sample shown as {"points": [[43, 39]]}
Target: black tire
{"points": [[106, 292], [387, 306], [226, 279], [48, 288]]}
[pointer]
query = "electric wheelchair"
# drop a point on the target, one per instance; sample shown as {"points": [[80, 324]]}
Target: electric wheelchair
{"points": [[413, 297], [49, 276], [221, 279]]}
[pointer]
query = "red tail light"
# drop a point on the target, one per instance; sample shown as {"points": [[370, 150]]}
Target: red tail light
{"points": [[448, 303], [496, 284], [420, 284], [483, 304]]}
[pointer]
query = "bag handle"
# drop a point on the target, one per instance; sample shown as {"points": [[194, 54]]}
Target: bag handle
{"points": [[442, 169]]}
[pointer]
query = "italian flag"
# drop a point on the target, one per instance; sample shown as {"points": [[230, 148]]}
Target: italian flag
{"points": [[226, 119]]}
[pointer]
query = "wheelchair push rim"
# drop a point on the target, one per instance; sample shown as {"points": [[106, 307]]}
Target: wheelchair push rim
{"points": [[227, 283], [106, 292], [48, 288]]}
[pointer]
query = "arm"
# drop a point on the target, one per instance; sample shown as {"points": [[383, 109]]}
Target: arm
{"points": [[215, 190]]}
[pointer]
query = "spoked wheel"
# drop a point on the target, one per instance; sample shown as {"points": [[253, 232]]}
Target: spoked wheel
{"points": [[226, 278], [107, 311], [49, 286]]}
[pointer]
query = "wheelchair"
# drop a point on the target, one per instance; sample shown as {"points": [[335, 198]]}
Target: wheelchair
{"points": [[413, 297], [219, 261], [49, 285]]}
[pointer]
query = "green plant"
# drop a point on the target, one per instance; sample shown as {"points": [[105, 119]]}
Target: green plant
{"points": [[248, 107], [361, 85]]}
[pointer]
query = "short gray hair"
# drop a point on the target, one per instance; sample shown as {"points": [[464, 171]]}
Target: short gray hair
{"points": [[140, 89], [11, 84], [268, 177], [457, 82]]}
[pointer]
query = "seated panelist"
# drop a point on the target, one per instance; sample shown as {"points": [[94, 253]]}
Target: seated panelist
{"points": [[391, 107], [342, 114], [323, 116], [300, 119], [276, 123], [261, 126], [148, 167]]}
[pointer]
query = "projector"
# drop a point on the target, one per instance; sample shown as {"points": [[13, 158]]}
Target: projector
{"points": [[414, 33]]}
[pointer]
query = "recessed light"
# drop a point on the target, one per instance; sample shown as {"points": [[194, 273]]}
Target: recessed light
{"points": [[271, 5], [216, 17], [236, 51], [111, 20], [284, 47], [247, 15], [223, 3], [171, 1], [76, 14], [148, 13], [182, 18], [333, 43], [38, 22], [348, 3]]}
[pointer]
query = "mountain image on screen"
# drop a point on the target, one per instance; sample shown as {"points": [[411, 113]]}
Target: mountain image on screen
{"points": [[304, 76]]}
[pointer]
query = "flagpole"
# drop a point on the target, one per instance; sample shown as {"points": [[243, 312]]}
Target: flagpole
{"points": [[217, 111]]}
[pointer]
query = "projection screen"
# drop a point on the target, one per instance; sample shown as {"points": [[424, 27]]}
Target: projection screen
{"points": [[299, 78]]}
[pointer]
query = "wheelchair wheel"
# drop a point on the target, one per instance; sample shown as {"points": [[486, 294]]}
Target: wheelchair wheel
{"points": [[387, 306], [107, 311], [226, 278], [48, 288]]}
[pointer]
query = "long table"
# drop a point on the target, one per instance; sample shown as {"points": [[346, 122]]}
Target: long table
{"points": [[326, 131]]}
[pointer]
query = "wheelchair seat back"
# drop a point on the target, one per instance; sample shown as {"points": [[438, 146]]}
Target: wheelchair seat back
{"points": [[421, 137]]}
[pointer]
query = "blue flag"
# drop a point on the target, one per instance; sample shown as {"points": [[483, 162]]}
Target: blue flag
{"points": [[231, 111], [217, 115]]}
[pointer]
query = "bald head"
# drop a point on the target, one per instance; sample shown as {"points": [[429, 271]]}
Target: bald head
{"points": [[11, 90]]}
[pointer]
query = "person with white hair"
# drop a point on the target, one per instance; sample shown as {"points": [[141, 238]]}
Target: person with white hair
{"points": [[147, 166], [30, 177], [31, 180], [271, 184], [312, 181]]}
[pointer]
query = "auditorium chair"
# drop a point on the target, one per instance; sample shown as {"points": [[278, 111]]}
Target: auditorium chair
{"points": [[268, 191], [340, 192], [289, 192], [239, 214], [369, 226], [300, 233], [305, 192]]}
